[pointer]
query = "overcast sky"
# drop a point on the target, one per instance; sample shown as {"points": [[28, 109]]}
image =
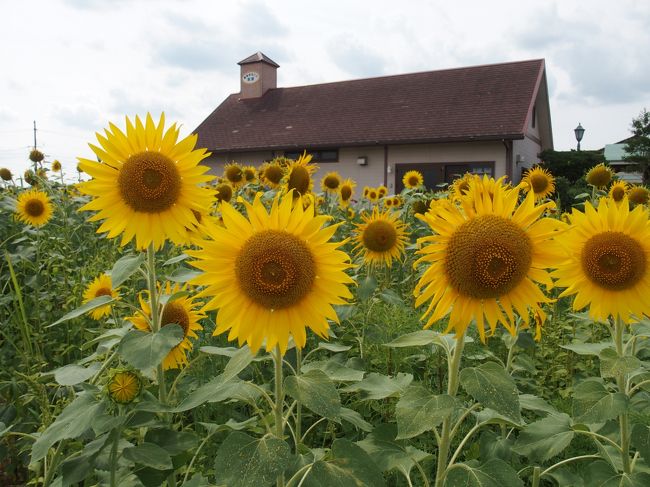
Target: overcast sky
{"points": [[74, 65]]}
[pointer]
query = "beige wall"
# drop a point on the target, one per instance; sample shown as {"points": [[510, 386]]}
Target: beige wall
{"points": [[528, 149], [372, 174]]}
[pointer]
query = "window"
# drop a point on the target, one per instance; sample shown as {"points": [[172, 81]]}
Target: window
{"points": [[318, 155]]}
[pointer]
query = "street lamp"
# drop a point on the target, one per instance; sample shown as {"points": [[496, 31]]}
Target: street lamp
{"points": [[579, 131]]}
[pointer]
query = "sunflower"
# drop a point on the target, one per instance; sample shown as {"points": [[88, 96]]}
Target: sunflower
{"points": [[540, 182], [373, 195], [34, 207], [485, 257], [36, 155], [147, 183], [607, 264], [599, 175], [365, 191], [250, 174], [41, 172], [397, 201], [5, 174], [388, 202], [299, 176], [638, 195], [419, 207], [56, 166], [413, 179], [382, 191], [272, 274], [380, 237], [331, 182], [124, 386], [460, 186], [101, 286], [273, 174], [224, 192], [346, 191], [181, 311], [618, 190], [234, 174]]}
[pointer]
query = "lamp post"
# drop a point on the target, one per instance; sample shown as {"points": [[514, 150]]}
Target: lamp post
{"points": [[579, 131]]}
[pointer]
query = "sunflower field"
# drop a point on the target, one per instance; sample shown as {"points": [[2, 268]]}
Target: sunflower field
{"points": [[161, 325]]}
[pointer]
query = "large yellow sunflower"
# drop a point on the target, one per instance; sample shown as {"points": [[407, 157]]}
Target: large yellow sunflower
{"points": [[147, 183], [380, 237], [607, 265], [485, 258], [540, 182], [272, 274], [181, 311], [34, 207], [101, 286], [299, 176], [413, 179]]}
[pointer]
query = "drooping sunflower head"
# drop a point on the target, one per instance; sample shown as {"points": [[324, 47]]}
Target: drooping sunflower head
{"points": [[331, 182], [346, 191], [100, 286], [36, 155], [599, 175], [638, 195], [273, 174], [273, 274], [33, 207], [365, 191], [419, 207], [382, 191], [56, 166], [5, 174], [618, 190], [413, 179], [380, 238], [298, 176], [234, 174], [224, 192], [41, 172], [250, 174], [30, 177], [183, 311], [124, 386], [540, 181], [607, 261], [147, 183], [485, 258]]}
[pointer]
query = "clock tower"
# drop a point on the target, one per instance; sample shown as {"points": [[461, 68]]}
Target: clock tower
{"points": [[258, 74]]}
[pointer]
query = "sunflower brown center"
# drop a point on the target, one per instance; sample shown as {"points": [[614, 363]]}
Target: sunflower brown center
{"points": [[275, 269], [224, 192], [539, 182], [413, 181], [234, 174], [639, 195], [613, 260], [273, 174], [103, 291], [372, 195], [331, 182], [346, 192], [299, 180], [34, 207], [379, 236], [249, 174], [618, 193], [174, 313], [149, 182], [487, 257]]}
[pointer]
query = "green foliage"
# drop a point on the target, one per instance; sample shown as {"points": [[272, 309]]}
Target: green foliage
{"points": [[571, 165]]}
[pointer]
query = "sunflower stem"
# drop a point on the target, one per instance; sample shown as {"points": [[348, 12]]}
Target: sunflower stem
{"points": [[279, 403], [453, 366], [155, 328], [298, 403], [621, 382]]}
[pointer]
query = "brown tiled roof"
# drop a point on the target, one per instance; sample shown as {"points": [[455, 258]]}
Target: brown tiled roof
{"points": [[475, 103], [257, 57]]}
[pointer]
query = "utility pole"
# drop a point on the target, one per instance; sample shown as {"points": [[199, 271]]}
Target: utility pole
{"points": [[34, 134]]}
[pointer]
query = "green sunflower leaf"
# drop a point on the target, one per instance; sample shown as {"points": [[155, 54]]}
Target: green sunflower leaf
{"points": [[492, 386], [316, 391], [419, 410], [146, 350]]}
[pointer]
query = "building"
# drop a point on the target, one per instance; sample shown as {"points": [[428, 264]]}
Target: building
{"points": [[491, 119], [625, 170]]}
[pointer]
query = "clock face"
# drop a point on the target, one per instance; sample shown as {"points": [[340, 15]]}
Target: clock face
{"points": [[250, 77]]}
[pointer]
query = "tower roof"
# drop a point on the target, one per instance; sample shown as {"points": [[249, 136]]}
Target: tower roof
{"points": [[258, 57]]}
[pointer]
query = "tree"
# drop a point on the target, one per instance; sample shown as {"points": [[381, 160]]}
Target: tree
{"points": [[638, 146], [570, 164]]}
